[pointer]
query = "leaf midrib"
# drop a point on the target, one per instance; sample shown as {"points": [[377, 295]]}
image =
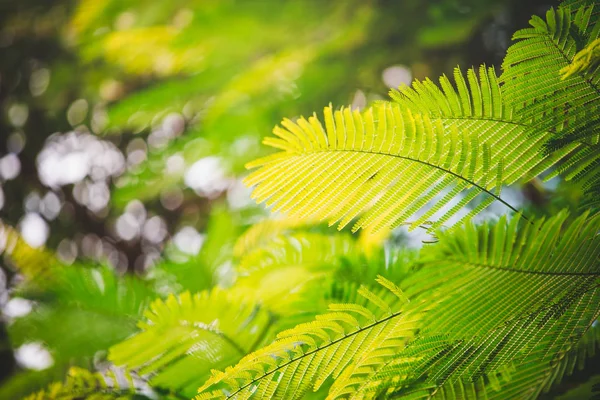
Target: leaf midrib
{"points": [[367, 327], [472, 183]]}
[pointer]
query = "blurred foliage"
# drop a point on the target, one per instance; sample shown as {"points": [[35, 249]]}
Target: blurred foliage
{"points": [[232, 81], [124, 132]]}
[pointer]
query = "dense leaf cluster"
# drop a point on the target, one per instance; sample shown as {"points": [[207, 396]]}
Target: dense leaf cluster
{"points": [[498, 309]]}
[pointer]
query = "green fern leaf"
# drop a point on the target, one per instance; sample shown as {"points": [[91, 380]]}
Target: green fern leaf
{"points": [[310, 353], [479, 103], [542, 266], [525, 380], [521, 381], [520, 295], [575, 5], [397, 372], [185, 336], [511, 284], [510, 292], [388, 163], [567, 105], [532, 79], [532, 377]]}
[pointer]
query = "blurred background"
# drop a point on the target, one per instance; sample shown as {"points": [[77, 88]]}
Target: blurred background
{"points": [[125, 125]]}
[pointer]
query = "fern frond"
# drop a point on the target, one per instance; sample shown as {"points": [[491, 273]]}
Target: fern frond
{"points": [[500, 288], [532, 79], [183, 337], [552, 79], [532, 377], [532, 339], [388, 163], [384, 367], [584, 168], [511, 293], [81, 384], [308, 354], [519, 294], [538, 266], [476, 101], [575, 5], [525, 380], [480, 103], [476, 97], [399, 373]]}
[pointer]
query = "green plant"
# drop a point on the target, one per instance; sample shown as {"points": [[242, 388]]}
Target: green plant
{"points": [[500, 309]]}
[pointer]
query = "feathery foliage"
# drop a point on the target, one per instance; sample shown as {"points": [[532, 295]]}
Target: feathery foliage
{"points": [[503, 295], [502, 309], [183, 337], [308, 354], [513, 268], [550, 77], [390, 162], [523, 380], [532, 79]]}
